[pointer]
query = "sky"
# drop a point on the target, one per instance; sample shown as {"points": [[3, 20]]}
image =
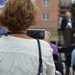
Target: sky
{"points": [[73, 1]]}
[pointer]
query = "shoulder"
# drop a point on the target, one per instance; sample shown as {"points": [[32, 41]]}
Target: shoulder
{"points": [[44, 44], [64, 19], [46, 48], [73, 18], [2, 31], [53, 45], [73, 51]]}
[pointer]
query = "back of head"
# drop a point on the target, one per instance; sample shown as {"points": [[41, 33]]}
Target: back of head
{"points": [[18, 15]]}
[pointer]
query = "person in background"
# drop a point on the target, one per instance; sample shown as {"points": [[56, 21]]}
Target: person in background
{"points": [[48, 39], [73, 53], [69, 53], [73, 58], [68, 21], [71, 47], [2, 31], [19, 53]]}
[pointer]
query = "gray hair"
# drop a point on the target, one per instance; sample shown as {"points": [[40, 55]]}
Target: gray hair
{"points": [[67, 13], [48, 33]]}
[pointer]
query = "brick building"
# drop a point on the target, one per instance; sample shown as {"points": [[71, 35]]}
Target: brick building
{"points": [[47, 17], [64, 6]]}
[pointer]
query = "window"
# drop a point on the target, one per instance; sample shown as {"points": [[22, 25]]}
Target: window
{"points": [[46, 2], [68, 8], [62, 12], [45, 16], [62, 7]]}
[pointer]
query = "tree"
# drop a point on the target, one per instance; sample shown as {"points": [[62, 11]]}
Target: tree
{"points": [[73, 10]]}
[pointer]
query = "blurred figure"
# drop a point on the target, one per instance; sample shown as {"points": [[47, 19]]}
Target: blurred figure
{"points": [[55, 53], [73, 53], [73, 58], [59, 22], [19, 52], [68, 21], [69, 52], [2, 31], [48, 39]]}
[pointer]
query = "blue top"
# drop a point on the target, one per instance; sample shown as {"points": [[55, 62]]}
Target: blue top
{"points": [[2, 31], [2, 2], [73, 58]]}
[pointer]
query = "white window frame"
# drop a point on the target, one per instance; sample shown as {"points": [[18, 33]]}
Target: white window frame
{"points": [[45, 3], [45, 16]]}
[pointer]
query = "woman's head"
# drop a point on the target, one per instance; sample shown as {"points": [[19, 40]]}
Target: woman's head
{"points": [[18, 15]]}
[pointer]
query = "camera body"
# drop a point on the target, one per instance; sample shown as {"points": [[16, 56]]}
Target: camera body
{"points": [[36, 33]]}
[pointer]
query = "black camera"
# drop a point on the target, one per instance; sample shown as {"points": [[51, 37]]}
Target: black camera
{"points": [[36, 33]]}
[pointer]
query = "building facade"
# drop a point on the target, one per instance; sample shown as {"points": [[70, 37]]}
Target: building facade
{"points": [[64, 6], [47, 17]]}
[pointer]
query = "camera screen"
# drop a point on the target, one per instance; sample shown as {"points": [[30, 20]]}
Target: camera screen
{"points": [[36, 33]]}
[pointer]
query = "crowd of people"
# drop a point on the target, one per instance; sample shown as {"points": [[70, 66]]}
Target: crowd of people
{"points": [[19, 53], [68, 22]]}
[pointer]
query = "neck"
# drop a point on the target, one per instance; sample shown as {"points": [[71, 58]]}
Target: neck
{"points": [[19, 34]]}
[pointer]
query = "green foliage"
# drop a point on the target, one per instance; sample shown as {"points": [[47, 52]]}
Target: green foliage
{"points": [[73, 10], [60, 33]]}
